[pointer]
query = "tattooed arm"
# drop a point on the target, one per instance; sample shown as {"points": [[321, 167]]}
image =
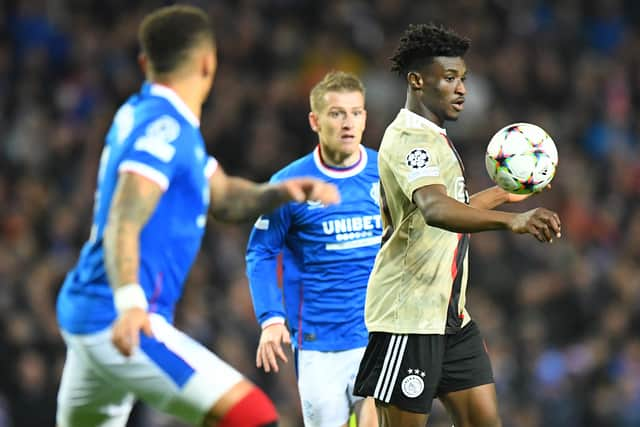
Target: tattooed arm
{"points": [[134, 201], [235, 199]]}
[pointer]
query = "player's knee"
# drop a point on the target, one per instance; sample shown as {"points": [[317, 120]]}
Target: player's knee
{"points": [[255, 409], [487, 418]]}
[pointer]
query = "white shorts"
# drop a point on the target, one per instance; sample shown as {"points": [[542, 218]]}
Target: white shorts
{"points": [[325, 383], [170, 371]]}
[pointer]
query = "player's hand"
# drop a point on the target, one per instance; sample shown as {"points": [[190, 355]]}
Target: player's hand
{"points": [[542, 223], [270, 347], [303, 189], [126, 330]]}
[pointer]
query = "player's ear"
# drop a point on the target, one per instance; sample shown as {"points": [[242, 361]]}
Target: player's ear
{"points": [[415, 80], [208, 66], [313, 122], [143, 61]]}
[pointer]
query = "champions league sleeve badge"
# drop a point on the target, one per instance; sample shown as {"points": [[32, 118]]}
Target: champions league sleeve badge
{"points": [[418, 158]]}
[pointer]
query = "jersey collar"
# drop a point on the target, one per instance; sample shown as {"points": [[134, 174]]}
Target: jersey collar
{"points": [[167, 93], [417, 121], [334, 172]]}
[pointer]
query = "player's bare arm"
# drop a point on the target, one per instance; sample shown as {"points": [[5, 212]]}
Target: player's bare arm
{"points": [[440, 210], [134, 201], [235, 199], [270, 347], [493, 197]]}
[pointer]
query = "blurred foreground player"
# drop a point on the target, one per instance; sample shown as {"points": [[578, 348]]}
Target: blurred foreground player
{"points": [[155, 187]]}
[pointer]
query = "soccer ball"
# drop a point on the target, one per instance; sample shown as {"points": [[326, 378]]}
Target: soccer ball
{"points": [[521, 158]]}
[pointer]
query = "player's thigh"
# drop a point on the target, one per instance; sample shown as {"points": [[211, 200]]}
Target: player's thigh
{"points": [[86, 398], [401, 372], [171, 372], [325, 384], [365, 413], [392, 416], [467, 387]]}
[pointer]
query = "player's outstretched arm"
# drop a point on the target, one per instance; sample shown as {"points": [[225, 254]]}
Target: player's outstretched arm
{"points": [[490, 198], [270, 347], [440, 210], [495, 196], [235, 199], [134, 201]]}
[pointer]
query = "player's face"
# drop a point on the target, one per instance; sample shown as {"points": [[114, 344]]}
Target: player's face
{"points": [[444, 90], [340, 123]]}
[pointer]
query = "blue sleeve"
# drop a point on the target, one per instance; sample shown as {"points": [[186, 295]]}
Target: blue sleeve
{"points": [[265, 244], [154, 152]]}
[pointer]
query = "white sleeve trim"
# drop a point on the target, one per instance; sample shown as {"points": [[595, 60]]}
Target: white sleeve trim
{"points": [[146, 171], [273, 321], [210, 167]]}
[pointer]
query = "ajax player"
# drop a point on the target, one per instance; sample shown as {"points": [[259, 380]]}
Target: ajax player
{"points": [[422, 342]]}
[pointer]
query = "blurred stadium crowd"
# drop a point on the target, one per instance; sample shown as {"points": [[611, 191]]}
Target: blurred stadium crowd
{"points": [[560, 320]]}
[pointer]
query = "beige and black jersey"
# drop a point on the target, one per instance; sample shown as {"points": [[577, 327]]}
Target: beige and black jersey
{"points": [[419, 279]]}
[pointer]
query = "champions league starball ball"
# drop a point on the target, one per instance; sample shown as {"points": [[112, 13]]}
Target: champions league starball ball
{"points": [[521, 158]]}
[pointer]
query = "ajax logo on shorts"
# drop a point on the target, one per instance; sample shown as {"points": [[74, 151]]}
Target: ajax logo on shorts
{"points": [[413, 384]]}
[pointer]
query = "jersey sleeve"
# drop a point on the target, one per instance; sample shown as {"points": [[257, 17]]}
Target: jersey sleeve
{"points": [[415, 162], [157, 150], [265, 244]]}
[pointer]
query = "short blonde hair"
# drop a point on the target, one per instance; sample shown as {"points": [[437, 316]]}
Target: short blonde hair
{"points": [[334, 81]]}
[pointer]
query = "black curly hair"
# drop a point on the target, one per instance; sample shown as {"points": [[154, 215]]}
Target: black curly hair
{"points": [[421, 42]]}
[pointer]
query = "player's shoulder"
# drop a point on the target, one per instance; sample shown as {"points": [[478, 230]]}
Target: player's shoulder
{"points": [[408, 131], [399, 139], [158, 123], [371, 168], [372, 155], [303, 166]]}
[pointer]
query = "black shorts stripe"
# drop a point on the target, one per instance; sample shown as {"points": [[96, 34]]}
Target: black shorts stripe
{"points": [[390, 367]]}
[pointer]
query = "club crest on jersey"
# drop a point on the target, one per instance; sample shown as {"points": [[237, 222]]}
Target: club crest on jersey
{"points": [[262, 223], [375, 192], [315, 204], [413, 384], [418, 158]]}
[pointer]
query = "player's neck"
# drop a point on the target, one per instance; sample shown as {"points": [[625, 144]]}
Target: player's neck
{"points": [[337, 159], [184, 89], [415, 105]]}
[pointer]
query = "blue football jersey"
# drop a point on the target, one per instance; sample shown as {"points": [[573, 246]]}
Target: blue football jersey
{"points": [[153, 134], [327, 253]]}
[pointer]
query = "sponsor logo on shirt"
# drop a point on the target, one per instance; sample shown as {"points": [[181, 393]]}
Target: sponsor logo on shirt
{"points": [[353, 232]]}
